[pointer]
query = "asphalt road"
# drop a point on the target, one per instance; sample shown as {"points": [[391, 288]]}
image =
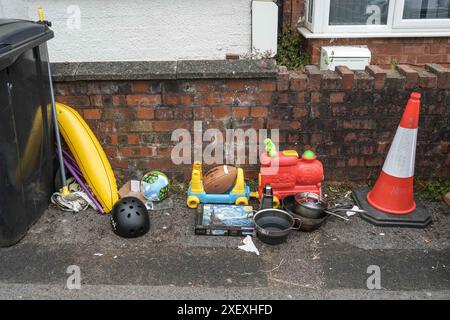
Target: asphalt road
{"points": [[170, 262]]}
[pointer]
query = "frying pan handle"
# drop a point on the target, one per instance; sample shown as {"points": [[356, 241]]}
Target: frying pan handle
{"points": [[299, 224]]}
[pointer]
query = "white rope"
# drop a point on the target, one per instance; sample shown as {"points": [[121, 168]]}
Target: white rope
{"points": [[77, 200]]}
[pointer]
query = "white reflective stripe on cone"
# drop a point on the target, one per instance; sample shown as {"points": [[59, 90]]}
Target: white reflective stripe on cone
{"points": [[402, 154]]}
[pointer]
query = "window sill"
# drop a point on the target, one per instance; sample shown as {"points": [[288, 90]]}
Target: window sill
{"points": [[394, 34]]}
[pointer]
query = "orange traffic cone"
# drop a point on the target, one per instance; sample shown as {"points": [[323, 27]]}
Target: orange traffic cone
{"points": [[393, 192], [391, 201]]}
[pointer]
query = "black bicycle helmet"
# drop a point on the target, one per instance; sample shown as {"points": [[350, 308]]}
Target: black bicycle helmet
{"points": [[129, 218]]}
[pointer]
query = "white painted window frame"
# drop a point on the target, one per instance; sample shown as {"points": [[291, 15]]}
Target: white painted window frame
{"points": [[418, 24], [396, 26]]}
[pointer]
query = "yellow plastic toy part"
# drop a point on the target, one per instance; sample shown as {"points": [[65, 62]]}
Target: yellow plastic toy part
{"points": [[254, 194], [196, 179], [290, 153], [242, 201], [276, 202], [193, 202], [89, 155], [239, 187]]}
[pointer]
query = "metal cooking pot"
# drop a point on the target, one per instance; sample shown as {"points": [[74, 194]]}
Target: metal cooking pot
{"points": [[274, 225], [303, 224], [310, 205]]}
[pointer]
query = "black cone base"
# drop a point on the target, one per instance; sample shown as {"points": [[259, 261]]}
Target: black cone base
{"points": [[419, 218]]}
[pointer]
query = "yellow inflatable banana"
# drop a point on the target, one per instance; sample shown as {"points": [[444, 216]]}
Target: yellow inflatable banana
{"points": [[89, 155]]}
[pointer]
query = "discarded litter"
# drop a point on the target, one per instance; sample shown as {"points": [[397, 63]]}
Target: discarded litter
{"points": [[98, 254], [249, 246]]}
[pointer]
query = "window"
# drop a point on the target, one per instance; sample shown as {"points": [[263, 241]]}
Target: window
{"points": [[310, 10], [358, 12], [422, 14], [376, 18]]}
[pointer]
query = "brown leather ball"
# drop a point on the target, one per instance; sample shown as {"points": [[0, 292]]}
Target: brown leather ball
{"points": [[219, 179]]}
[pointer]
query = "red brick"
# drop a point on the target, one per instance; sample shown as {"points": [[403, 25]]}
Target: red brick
{"points": [[442, 74], [170, 99], [267, 85], [379, 74], [299, 112], [164, 151], [186, 100], [374, 162], [259, 112], [130, 138], [337, 97], [119, 101], [283, 80], [264, 98], [135, 152], [163, 113], [283, 98], [96, 101], [240, 112], [427, 80], [119, 163], [167, 125], [113, 139], [92, 114], [220, 113], [143, 100], [235, 85], [140, 86], [350, 137], [359, 124], [138, 126], [202, 112], [111, 152], [355, 162], [298, 82], [74, 101], [183, 113], [314, 77], [145, 113], [315, 97], [347, 77], [410, 74]]}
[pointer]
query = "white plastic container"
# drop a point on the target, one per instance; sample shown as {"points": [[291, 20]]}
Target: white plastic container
{"points": [[353, 57]]}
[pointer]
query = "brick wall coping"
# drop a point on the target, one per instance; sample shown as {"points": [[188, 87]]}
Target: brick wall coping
{"points": [[313, 79], [164, 70]]}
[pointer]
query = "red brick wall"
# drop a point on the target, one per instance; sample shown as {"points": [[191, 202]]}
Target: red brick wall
{"points": [[348, 117], [388, 51], [293, 10]]}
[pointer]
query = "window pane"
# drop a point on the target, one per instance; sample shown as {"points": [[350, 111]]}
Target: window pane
{"points": [[310, 10], [426, 9], [358, 12]]}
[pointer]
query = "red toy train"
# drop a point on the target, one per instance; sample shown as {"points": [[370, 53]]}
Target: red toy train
{"points": [[288, 174]]}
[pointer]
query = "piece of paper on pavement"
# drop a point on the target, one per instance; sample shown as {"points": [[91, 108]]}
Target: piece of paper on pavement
{"points": [[249, 246]]}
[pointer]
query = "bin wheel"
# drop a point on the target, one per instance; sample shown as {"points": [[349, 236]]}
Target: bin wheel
{"points": [[242, 201], [192, 202], [276, 202]]}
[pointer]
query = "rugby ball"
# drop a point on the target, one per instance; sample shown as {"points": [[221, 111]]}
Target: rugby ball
{"points": [[219, 179]]}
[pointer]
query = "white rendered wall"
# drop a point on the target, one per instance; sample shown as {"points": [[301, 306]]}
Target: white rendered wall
{"points": [[125, 30]]}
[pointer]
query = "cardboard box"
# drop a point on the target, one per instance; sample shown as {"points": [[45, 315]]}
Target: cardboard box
{"points": [[133, 189]]}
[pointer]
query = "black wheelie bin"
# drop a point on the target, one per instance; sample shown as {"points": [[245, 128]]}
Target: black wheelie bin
{"points": [[27, 161]]}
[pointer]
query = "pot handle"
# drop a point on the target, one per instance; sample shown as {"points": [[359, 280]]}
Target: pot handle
{"points": [[299, 224]]}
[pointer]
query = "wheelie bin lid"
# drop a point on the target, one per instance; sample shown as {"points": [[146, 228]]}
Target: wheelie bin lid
{"points": [[17, 36]]}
